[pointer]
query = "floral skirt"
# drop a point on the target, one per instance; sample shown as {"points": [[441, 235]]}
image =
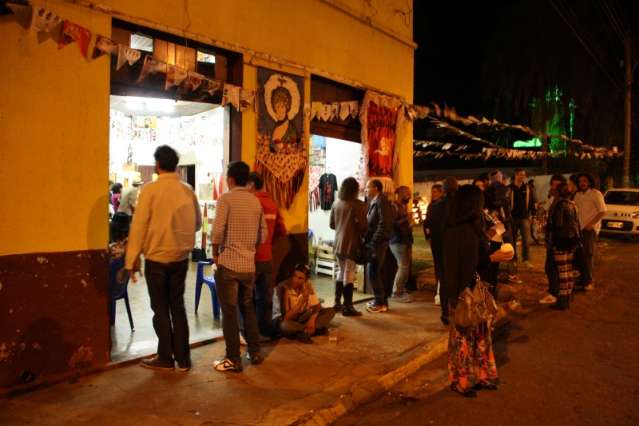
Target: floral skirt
{"points": [[471, 360]]}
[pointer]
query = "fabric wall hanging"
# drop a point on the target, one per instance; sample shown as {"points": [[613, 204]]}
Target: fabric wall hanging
{"points": [[379, 118], [281, 151]]}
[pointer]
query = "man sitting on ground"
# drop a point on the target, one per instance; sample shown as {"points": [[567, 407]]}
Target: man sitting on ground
{"points": [[302, 315]]}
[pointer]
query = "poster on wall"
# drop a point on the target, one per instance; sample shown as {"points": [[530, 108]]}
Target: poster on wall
{"points": [[379, 117], [281, 146]]}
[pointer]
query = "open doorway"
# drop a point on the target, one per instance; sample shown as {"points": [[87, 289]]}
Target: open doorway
{"points": [[331, 161], [197, 130]]}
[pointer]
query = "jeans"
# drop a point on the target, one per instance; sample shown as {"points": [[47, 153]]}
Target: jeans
{"points": [[235, 290], [588, 239], [292, 327], [374, 273], [264, 297], [522, 226], [165, 283], [402, 254]]}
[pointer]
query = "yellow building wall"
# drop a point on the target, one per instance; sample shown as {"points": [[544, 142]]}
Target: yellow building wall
{"points": [[54, 108], [54, 124]]}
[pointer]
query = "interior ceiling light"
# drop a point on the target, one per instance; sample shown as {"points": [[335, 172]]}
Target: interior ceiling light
{"points": [[149, 105]]}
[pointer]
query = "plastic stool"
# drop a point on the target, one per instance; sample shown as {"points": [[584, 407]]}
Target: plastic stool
{"points": [[210, 282]]}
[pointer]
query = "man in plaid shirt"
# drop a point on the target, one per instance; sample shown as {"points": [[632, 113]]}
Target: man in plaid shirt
{"points": [[238, 229]]}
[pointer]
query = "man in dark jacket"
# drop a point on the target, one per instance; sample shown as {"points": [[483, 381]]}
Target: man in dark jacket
{"points": [[435, 225], [522, 205], [380, 226]]}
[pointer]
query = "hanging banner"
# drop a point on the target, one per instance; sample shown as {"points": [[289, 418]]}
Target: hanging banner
{"points": [[193, 81], [281, 153], [73, 32], [126, 54], [379, 117], [174, 76], [151, 66], [231, 95], [46, 24], [247, 99], [104, 46], [211, 86]]}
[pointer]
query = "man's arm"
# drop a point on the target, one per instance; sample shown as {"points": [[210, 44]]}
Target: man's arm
{"points": [[198, 213], [280, 227], [219, 226], [601, 211], [139, 229], [263, 232]]}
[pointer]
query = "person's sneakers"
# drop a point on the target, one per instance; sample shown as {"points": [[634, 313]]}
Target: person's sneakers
{"points": [[227, 365], [527, 264], [548, 299], [155, 363], [350, 311], [371, 303], [338, 307], [514, 279], [589, 287], [402, 298], [242, 341], [377, 308], [255, 359], [304, 337]]}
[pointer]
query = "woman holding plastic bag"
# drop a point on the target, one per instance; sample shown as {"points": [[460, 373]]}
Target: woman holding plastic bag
{"points": [[471, 361]]}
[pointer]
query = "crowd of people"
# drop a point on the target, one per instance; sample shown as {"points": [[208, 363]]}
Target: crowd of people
{"points": [[475, 228], [472, 229]]}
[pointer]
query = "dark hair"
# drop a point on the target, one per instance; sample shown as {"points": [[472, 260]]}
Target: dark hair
{"points": [[257, 180], [494, 173], [563, 191], [116, 188], [438, 186], [281, 95], [483, 176], [517, 170], [557, 177], [166, 158], [378, 185], [466, 206], [591, 179], [119, 226], [303, 268], [239, 171], [349, 189], [450, 184]]}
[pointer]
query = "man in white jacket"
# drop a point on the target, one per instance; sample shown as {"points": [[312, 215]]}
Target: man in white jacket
{"points": [[163, 229]]}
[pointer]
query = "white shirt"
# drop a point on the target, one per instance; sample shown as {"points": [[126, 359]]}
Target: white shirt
{"points": [[589, 204], [165, 221], [128, 199]]}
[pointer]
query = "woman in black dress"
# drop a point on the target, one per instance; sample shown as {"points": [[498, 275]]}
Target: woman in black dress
{"points": [[471, 361]]}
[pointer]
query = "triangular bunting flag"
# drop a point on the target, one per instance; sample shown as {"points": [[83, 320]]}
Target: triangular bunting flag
{"points": [[104, 46], [73, 32], [126, 54], [174, 76], [247, 99], [151, 66]]}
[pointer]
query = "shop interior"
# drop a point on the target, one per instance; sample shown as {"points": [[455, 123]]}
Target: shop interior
{"points": [[138, 125], [331, 161]]}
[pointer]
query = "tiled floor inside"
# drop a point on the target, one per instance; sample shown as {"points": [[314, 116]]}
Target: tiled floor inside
{"points": [[128, 345]]}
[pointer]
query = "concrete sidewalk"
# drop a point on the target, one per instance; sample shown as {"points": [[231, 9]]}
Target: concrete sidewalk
{"points": [[297, 383]]}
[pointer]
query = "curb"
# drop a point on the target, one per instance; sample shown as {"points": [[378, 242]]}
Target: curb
{"points": [[369, 390]]}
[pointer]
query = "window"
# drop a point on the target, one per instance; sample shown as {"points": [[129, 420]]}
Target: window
{"points": [[142, 42], [207, 58]]}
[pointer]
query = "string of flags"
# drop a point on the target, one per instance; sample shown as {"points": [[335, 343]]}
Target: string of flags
{"points": [[486, 153], [47, 24]]}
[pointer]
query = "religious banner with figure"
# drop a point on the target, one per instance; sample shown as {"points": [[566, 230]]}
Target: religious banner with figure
{"points": [[281, 152], [379, 116]]}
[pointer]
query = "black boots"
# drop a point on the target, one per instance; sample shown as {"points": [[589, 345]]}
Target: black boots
{"points": [[339, 289], [563, 303], [349, 310]]}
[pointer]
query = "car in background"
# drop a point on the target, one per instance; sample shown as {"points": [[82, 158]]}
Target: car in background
{"points": [[622, 212]]}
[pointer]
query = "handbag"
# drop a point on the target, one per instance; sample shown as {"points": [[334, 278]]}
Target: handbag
{"points": [[363, 254], [475, 306]]}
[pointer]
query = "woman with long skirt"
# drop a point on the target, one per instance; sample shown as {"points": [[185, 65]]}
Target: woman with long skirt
{"points": [[471, 361]]}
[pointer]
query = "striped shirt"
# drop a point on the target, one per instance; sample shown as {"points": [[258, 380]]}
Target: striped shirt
{"points": [[238, 228]]}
